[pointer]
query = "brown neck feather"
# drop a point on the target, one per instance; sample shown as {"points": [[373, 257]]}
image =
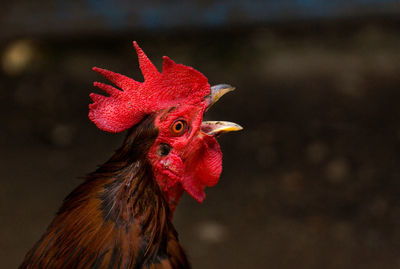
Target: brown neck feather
{"points": [[118, 215], [132, 193]]}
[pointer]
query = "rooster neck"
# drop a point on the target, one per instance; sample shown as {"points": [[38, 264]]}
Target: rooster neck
{"points": [[129, 176], [118, 218], [131, 199], [130, 192]]}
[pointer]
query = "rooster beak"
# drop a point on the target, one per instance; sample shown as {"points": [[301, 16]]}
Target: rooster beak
{"points": [[214, 128], [217, 92]]}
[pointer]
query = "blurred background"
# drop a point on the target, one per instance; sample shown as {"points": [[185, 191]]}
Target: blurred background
{"points": [[312, 182]]}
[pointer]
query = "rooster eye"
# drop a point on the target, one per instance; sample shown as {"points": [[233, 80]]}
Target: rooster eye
{"points": [[178, 127]]}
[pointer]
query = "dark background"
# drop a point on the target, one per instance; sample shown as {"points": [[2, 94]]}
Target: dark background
{"points": [[312, 182]]}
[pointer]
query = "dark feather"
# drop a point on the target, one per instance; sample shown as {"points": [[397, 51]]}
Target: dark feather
{"points": [[118, 218]]}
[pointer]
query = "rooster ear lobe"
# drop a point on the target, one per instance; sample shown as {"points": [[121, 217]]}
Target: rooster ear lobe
{"points": [[149, 71], [167, 63]]}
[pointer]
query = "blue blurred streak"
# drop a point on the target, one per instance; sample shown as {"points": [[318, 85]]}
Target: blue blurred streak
{"points": [[107, 15]]}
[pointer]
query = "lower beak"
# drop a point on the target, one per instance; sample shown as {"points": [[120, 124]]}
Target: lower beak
{"points": [[213, 128]]}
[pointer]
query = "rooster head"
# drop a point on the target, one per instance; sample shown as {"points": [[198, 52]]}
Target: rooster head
{"points": [[185, 155]]}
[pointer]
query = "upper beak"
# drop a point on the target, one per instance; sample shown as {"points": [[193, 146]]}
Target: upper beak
{"points": [[217, 92], [214, 128]]}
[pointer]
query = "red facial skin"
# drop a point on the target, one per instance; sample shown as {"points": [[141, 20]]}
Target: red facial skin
{"points": [[176, 93], [195, 159]]}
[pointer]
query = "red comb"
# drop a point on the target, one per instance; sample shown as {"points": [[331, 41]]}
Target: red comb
{"points": [[122, 109]]}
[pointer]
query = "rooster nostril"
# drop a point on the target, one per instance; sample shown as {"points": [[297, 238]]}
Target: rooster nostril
{"points": [[164, 149]]}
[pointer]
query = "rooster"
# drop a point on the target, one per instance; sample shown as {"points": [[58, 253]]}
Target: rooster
{"points": [[120, 216]]}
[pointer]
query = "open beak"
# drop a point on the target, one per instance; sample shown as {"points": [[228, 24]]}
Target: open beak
{"points": [[214, 128]]}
